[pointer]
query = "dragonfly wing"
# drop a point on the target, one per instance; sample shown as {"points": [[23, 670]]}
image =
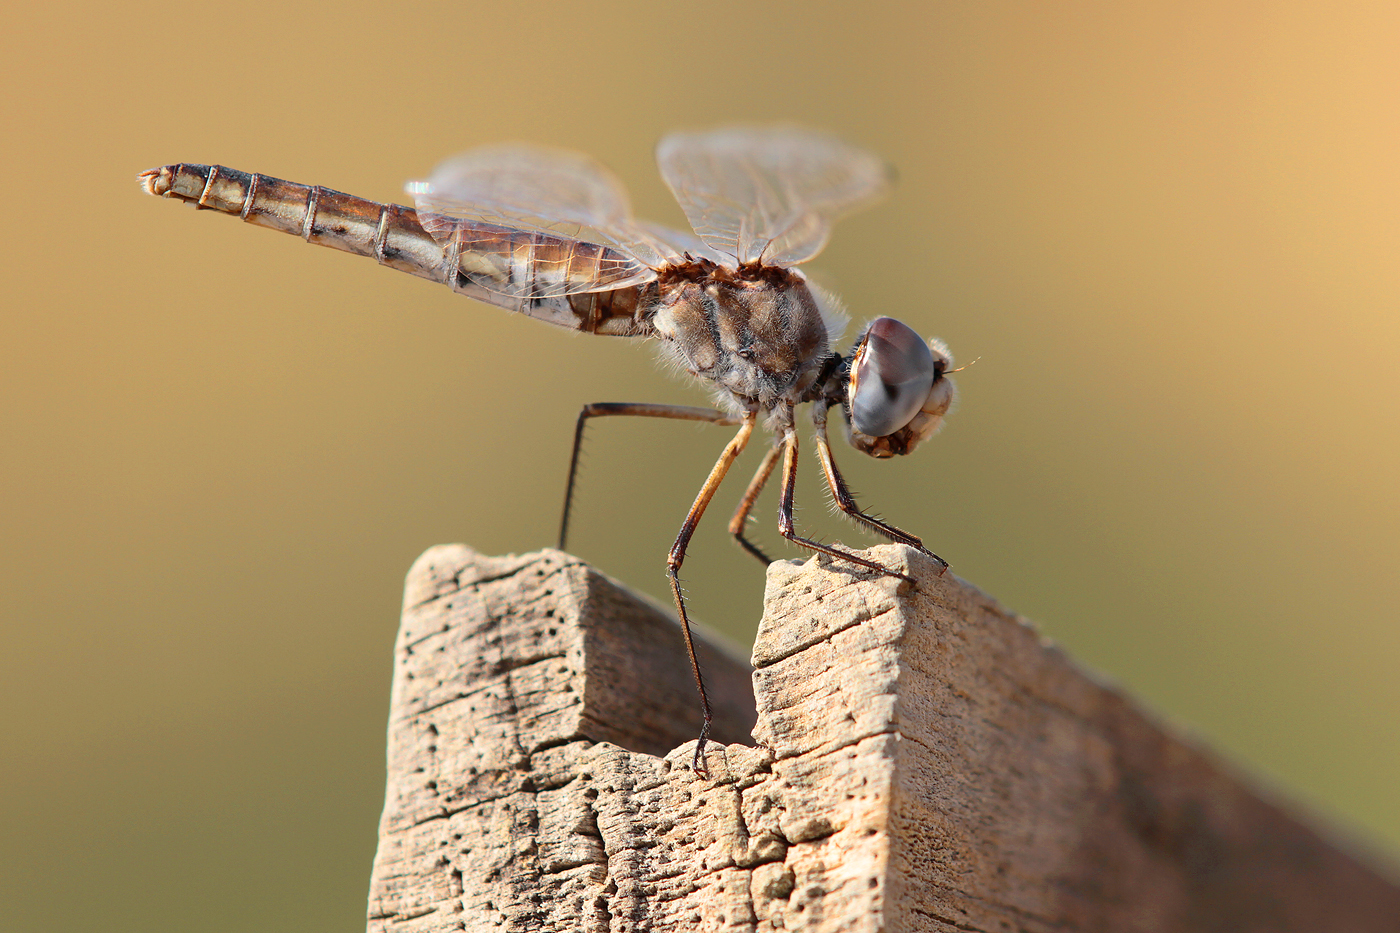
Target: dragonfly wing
{"points": [[680, 246], [768, 194], [561, 195]]}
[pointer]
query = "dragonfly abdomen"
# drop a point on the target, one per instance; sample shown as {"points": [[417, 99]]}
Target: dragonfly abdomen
{"points": [[388, 233], [517, 270]]}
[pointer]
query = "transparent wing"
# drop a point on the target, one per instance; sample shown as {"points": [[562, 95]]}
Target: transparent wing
{"points": [[569, 202], [681, 246], [768, 194], [526, 187]]}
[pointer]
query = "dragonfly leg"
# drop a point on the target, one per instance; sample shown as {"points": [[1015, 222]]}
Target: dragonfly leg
{"points": [[677, 557], [841, 493], [640, 409], [740, 520], [785, 523]]}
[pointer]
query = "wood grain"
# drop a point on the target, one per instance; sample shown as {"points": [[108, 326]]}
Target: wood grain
{"points": [[924, 761]]}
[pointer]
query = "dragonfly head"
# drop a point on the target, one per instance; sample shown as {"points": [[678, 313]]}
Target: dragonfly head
{"points": [[897, 389]]}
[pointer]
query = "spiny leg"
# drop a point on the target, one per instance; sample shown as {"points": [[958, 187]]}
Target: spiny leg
{"points": [[785, 523], [677, 557], [746, 504], [841, 494], [639, 409]]}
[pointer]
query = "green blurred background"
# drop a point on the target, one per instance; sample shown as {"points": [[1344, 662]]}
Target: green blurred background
{"points": [[1169, 231]]}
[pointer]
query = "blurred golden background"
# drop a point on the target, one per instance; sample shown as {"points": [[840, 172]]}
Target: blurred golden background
{"points": [[1168, 231]]}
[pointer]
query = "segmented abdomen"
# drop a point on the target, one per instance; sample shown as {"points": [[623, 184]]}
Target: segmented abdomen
{"points": [[519, 270]]}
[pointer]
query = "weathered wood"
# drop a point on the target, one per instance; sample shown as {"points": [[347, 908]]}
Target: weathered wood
{"points": [[926, 762]]}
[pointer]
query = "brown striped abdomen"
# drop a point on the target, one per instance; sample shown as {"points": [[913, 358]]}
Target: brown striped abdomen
{"points": [[514, 269]]}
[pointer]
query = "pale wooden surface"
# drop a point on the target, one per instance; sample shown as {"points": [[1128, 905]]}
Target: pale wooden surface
{"points": [[928, 764]]}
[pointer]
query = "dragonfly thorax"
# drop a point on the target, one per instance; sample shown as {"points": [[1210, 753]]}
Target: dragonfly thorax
{"points": [[757, 333]]}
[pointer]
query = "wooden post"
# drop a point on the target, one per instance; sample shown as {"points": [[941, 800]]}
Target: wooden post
{"points": [[924, 761]]}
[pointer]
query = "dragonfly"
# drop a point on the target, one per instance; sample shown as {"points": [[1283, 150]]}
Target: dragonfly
{"points": [[550, 234]]}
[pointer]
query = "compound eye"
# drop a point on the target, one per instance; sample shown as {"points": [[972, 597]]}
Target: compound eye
{"points": [[891, 376]]}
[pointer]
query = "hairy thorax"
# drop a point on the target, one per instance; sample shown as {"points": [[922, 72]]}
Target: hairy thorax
{"points": [[756, 333]]}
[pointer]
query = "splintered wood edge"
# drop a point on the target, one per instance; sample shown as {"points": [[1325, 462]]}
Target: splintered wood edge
{"points": [[925, 761]]}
